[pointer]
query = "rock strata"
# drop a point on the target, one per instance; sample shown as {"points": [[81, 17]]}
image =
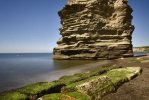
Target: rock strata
{"points": [[95, 29], [141, 49]]}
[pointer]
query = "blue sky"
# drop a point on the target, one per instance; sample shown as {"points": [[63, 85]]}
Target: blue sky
{"points": [[32, 25]]}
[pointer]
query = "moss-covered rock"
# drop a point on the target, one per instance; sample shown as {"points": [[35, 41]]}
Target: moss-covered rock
{"points": [[82, 76], [39, 89], [95, 87], [13, 96], [56, 96], [98, 86], [121, 75], [68, 96], [79, 95], [81, 86], [72, 87], [118, 77]]}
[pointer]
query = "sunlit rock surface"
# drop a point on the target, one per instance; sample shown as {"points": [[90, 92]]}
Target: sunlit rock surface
{"points": [[95, 29]]}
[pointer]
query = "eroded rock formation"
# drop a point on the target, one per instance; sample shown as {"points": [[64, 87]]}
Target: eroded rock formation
{"points": [[95, 29]]}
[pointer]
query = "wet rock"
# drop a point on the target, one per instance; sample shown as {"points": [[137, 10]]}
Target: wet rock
{"points": [[98, 86], [81, 86]]}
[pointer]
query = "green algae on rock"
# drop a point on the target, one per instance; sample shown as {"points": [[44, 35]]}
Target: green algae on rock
{"points": [[36, 90], [82, 76], [81, 86], [32, 92], [123, 74], [98, 86], [13, 95], [95, 87], [78, 95], [55, 96], [68, 96]]}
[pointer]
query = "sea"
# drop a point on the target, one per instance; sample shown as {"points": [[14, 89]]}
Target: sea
{"points": [[20, 69]]}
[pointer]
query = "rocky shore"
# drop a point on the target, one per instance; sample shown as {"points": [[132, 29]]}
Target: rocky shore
{"points": [[109, 77], [137, 89]]}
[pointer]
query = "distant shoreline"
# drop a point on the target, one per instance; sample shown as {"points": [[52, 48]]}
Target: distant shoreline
{"points": [[142, 61], [141, 49]]}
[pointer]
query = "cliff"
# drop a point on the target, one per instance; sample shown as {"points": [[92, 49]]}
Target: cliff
{"points": [[141, 49], [95, 29]]}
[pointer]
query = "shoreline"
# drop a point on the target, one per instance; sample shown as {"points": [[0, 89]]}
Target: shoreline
{"points": [[142, 61], [55, 75]]}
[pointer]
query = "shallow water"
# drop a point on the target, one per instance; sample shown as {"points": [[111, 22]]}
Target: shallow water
{"points": [[21, 69], [17, 70]]}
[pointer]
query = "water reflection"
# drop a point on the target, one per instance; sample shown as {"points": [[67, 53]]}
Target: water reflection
{"points": [[63, 64], [22, 69]]}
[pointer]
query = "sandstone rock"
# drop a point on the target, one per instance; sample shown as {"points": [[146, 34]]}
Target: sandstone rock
{"points": [[95, 29], [98, 86], [141, 49]]}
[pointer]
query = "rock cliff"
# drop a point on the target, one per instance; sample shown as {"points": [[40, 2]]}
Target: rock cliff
{"points": [[95, 29], [141, 49]]}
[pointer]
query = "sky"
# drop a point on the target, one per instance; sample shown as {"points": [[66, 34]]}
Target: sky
{"points": [[31, 26]]}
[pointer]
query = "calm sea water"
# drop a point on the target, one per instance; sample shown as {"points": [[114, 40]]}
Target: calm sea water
{"points": [[17, 70]]}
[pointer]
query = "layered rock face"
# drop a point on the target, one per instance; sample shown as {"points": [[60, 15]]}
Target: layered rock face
{"points": [[95, 29]]}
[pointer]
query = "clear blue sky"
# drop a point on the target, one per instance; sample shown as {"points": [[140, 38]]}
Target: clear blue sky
{"points": [[32, 25]]}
